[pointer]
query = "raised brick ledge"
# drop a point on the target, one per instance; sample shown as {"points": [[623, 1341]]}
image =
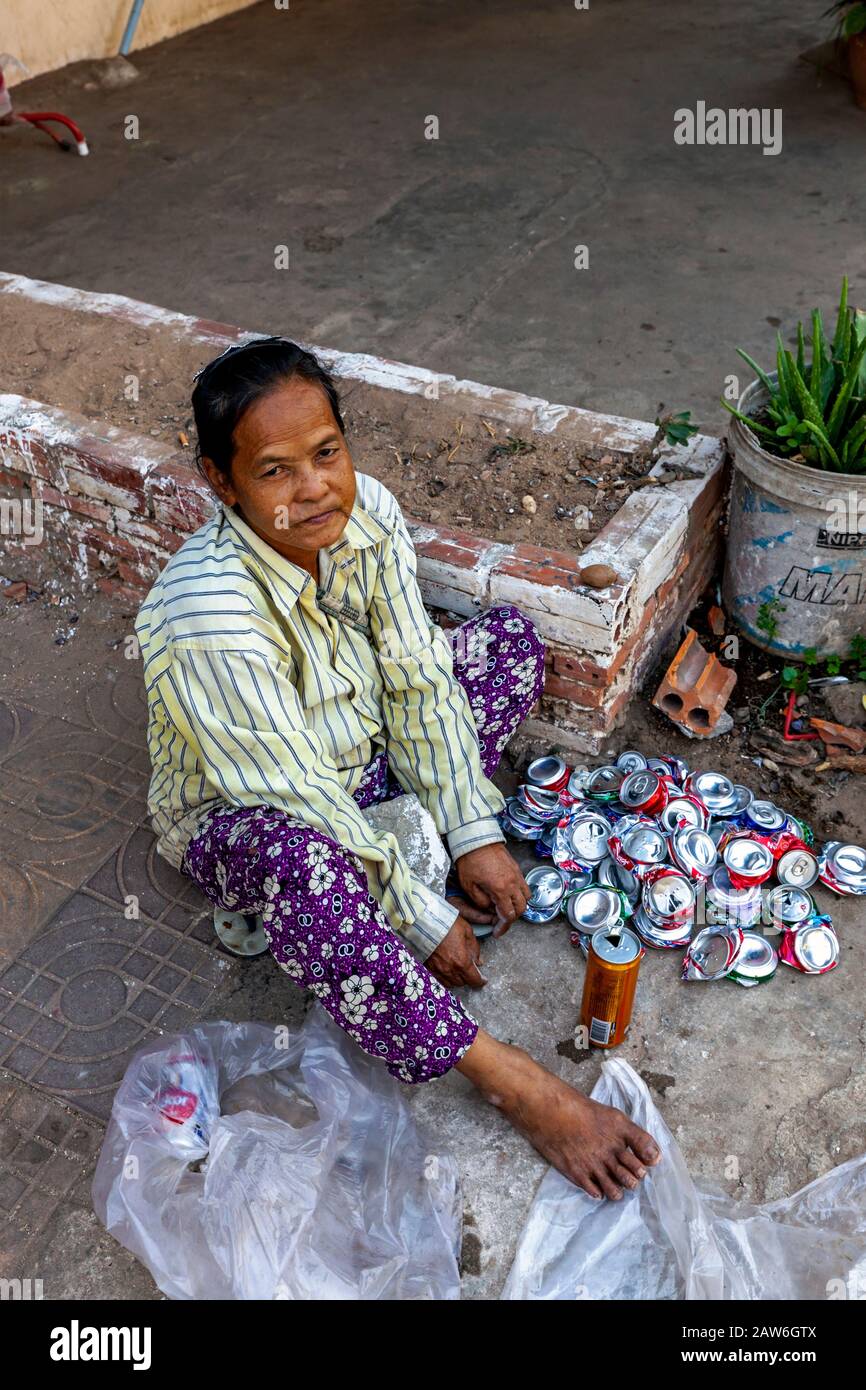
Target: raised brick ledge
{"points": [[130, 501]]}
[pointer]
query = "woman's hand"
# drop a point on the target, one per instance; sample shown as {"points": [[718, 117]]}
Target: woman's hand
{"points": [[490, 878], [455, 960]]}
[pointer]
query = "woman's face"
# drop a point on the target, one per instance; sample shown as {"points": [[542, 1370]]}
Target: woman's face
{"points": [[292, 477]]}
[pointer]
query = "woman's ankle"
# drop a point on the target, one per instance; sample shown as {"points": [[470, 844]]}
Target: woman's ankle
{"points": [[494, 1067]]}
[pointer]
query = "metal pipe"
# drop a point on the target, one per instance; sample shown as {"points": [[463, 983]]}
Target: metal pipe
{"points": [[131, 26]]}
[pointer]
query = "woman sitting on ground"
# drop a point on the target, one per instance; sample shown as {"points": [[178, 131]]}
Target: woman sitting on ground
{"points": [[293, 679]]}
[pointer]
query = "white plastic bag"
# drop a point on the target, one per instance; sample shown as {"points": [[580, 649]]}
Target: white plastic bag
{"points": [[313, 1183], [672, 1239]]}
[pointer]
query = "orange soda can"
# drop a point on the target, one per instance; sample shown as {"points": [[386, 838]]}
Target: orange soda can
{"points": [[608, 987]]}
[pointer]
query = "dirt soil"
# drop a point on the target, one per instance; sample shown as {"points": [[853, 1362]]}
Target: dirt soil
{"points": [[471, 474], [795, 775]]}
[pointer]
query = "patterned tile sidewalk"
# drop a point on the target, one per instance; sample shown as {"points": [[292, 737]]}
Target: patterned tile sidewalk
{"points": [[102, 945]]}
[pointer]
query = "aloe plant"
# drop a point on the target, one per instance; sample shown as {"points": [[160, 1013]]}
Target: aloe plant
{"points": [[815, 411], [852, 17]]}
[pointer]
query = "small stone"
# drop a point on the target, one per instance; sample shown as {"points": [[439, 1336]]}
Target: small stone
{"points": [[845, 703], [486, 474], [716, 620], [598, 576], [741, 715], [529, 504]]}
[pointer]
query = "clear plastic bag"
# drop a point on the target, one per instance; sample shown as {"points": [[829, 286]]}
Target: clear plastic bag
{"points": [[247, 1162], [673, 1239]]}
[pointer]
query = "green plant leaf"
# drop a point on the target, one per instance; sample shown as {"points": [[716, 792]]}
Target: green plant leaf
{"points": [[842, 318], [759, 373], [817, 355]]}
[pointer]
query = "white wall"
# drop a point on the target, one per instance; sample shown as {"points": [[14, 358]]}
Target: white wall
{"points": [[46, 34]]}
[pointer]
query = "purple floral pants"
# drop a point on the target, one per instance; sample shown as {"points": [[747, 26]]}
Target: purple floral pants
{"points": [[325, 929]]}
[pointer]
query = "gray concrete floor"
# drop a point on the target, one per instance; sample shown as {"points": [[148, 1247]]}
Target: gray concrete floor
{"points": [[305, 128], [772, 1077]]}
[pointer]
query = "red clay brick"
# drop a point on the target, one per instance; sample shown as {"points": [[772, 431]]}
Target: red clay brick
{"points": [[19, 480], [96, 539], [542, 566], [561, 688], [696, 687], [68, 502], [123, 593]]}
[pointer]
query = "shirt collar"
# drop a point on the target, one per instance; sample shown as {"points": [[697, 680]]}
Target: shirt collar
{"points": [[362, 529]]}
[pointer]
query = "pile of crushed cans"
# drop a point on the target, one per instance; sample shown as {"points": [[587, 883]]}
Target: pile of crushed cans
{"points": [[647, 841]]}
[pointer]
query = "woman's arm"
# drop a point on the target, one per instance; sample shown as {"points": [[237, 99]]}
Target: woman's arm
{"points": [[243, 718], [432, 741]]}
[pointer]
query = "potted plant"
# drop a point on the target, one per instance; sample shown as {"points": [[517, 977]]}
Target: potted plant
{"points": [[851, 16], [797, 537]]}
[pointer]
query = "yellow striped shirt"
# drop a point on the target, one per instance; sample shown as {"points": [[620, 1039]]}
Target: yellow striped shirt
{"points": [[266, 688]]}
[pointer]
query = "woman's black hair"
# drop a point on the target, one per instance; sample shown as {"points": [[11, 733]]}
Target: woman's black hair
{"points": [[229, 385]]}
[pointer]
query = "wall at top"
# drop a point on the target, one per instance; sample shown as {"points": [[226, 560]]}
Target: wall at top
{"points": [[47, 36]]}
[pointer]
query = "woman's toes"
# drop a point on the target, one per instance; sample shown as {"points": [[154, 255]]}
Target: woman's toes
{"points": [[589, 1186], [643, 1144], [607, 1185], [621, 1174], [631, 1161]]}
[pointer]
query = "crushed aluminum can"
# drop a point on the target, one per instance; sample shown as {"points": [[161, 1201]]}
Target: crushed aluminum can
{"points": [[519, 822], [764, 817], [630, 761], [677, 768], [575, 879], [656, 765], [802, 829], [645, 791], [789, 906], [668, 897], [726, 905], [614, 875], [684, 810], [581, 841], [756, 961], [658, 937], [576, 787], [595, 908], [712, 953], [544, 843], [546, 891], [542, 803], [812, 948], [549, 772], [638, 848], [778, 842], [797, 868], [742, 798], [748, 862], [843, 867], [694, 852], [604, 783], [714, 789]]}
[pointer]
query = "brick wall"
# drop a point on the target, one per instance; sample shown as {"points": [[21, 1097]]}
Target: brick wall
{"points": [[116, 506]]}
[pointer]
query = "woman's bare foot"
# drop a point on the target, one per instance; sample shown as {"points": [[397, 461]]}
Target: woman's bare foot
{"points": [[593, 1145]]}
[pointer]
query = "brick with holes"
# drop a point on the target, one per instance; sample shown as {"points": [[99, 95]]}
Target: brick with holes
{"points": [[695, 689]]}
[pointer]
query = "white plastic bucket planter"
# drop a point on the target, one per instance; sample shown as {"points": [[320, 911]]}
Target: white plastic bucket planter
{"points": [[798, 536]]}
